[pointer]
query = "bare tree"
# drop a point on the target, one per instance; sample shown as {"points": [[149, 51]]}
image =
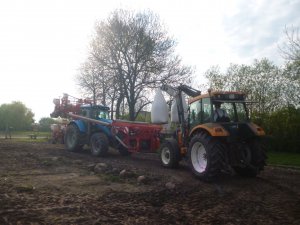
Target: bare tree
{"points": [[137, 50], [290, 49], [89, 79]]}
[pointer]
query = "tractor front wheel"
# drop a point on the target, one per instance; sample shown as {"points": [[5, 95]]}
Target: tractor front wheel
{"points": [[205, 156], [99, 144], [73, 138], [169, 153]]}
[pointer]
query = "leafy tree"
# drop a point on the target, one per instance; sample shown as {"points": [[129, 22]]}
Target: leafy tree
{"points": [[261, 82], [265, 86], [45, 122], [290, 84], [216, 80], [136, 54], [15, 115], [283, 128]]}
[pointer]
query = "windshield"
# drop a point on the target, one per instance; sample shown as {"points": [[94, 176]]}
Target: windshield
{"points": [[235, 111], [241, 112], [103, 114]]}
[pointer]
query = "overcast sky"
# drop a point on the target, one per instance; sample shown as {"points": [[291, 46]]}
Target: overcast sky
{"points": [[43, 43]]}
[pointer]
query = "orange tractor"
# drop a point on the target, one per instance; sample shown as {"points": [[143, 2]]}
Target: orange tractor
{"points": [[211, 144]]}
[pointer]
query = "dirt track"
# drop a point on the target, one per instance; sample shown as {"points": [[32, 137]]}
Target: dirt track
{"points": [[44, 184]]}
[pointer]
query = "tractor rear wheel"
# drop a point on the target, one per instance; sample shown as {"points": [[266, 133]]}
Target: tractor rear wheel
{"points": [[205, 156], [256, 160], [99, 144], [73, 138], [169, 153]]}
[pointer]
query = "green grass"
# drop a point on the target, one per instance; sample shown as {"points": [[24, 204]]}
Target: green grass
{"points": [[39, 140], [26, 133], [24, 136], [284, 158]]}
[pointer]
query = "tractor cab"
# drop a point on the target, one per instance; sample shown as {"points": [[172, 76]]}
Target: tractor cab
{"points": [[94, 112], [218, 107], [225, 112], [97, 112]]}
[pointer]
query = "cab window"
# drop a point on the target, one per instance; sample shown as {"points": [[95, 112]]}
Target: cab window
{"points": [[195, 113], [84, 112], [103, 114], [206, 110], [241, 112]]}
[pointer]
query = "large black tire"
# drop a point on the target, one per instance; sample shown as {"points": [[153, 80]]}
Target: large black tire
{"points": [[73, 138], [99, 144], [169, 153], [205, 156], [256, 160]]}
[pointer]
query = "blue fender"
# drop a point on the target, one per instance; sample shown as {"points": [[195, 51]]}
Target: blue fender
{"points": [[80, 124]]}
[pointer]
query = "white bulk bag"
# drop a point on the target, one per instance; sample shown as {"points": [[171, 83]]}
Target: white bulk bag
{"points": [[174, 111], [159, 109]]}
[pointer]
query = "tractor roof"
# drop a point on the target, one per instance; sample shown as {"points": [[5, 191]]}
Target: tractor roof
{"points": [[220, 95]]}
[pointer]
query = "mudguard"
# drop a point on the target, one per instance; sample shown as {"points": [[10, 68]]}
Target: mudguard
{"points": [[80, 124]]}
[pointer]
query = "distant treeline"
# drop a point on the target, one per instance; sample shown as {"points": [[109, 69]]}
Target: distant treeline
{"points": [[15, 116]]}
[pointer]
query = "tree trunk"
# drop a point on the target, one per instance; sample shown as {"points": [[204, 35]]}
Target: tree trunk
{"points": [[131, 111], [112, 109], [118, 106], [103, 100], [94, 97]]}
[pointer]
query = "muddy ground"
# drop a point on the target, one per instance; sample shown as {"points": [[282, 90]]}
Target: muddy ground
{"points": [[44, 184]]}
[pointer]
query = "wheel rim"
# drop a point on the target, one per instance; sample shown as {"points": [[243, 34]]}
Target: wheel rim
{"points": [[96, 145], [71, 138], [199, 157], [165, 155]]}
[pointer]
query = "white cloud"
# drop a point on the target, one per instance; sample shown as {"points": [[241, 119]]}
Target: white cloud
{"points": [[254, 31]]}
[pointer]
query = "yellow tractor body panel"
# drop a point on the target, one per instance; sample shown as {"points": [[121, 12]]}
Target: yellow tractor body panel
{"points": [[213, 129], [257, 130]]}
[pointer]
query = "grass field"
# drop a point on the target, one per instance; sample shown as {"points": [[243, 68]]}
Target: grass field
{"points": [[27, 133], [24, 136], [284, 158]]}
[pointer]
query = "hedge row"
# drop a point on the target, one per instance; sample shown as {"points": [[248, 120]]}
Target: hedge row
{"points": [[282, 128]]}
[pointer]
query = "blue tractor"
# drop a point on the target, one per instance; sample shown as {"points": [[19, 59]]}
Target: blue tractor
{"points": [[92, 127]]}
